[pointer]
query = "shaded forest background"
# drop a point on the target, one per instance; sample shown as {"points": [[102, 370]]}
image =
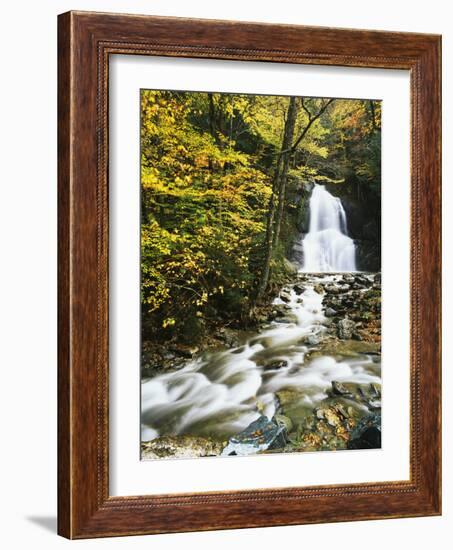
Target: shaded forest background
{"points": [[225, 186]]}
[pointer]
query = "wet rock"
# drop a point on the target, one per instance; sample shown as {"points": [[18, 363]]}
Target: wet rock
{"points": [[339, 389], [260, 435], [377, 278], [314, 339], [345, 328], [349, 348], [285, 296], [343, 288], [175, 364], [330, 312], [371, 400], [367, 433], [361, 394], [282, 310], [298, 289], [332, 417], [331, 289], [287, 319], [285, 421], [345, 413], [184, 351], [370, 396], [362, 279], [162, 363], [276, 313], [369, 439], [358, 286], [276, 365], [286, 397], [329, 428], [231, 337], [180, 446], [330, 425], [319, 289]]}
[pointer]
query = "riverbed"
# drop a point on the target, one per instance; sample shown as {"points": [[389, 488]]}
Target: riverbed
{"points": [[313, 366]]}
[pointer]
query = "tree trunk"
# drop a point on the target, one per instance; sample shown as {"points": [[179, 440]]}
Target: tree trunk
{"points": [[373, 114], [211, 126], [278, 187], [275, 212], [287, 147], [212, 117], [269, 235]]}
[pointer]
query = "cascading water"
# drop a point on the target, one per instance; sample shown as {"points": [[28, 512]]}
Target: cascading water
{"points": [[221, 393], [327, 247]]}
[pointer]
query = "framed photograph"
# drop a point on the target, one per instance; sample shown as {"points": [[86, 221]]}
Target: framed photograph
{"points": [[249, 275]]}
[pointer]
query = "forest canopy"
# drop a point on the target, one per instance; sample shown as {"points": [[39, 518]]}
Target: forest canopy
{"points": [[225, 180]]}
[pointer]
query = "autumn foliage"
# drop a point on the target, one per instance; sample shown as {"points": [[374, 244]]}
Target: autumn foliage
{"points": [[208, 178]]}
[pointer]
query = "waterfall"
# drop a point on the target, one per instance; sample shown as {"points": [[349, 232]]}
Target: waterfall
{"points": [[327, 247]]}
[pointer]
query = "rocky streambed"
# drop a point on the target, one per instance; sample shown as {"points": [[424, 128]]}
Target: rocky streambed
{"points": [[307, 379]]}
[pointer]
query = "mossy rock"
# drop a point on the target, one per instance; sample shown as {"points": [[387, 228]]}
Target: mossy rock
{"points": [[286, 397], [180, 446], [345, 348]]}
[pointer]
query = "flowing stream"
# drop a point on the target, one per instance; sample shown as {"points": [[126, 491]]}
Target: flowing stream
{"points": [[220, 393]]}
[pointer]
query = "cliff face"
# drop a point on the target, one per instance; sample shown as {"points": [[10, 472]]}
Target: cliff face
{"points": [[364, 226]]}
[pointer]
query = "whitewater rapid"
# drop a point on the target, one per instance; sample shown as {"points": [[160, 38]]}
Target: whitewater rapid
{"points": [[221, 393]]}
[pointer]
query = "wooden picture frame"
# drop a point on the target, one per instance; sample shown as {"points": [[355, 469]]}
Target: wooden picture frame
{"points": [[85, 42]]}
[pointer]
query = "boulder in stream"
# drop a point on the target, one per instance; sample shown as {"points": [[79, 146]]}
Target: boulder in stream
{"points": [[299, 289], [367, 434], [345, 328], [180, 446], [330, 312], [276, 365], [339, 389], [260, 435], [314, 339], [285, 296], [231, 337], [183, 350], [319, 289]]}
